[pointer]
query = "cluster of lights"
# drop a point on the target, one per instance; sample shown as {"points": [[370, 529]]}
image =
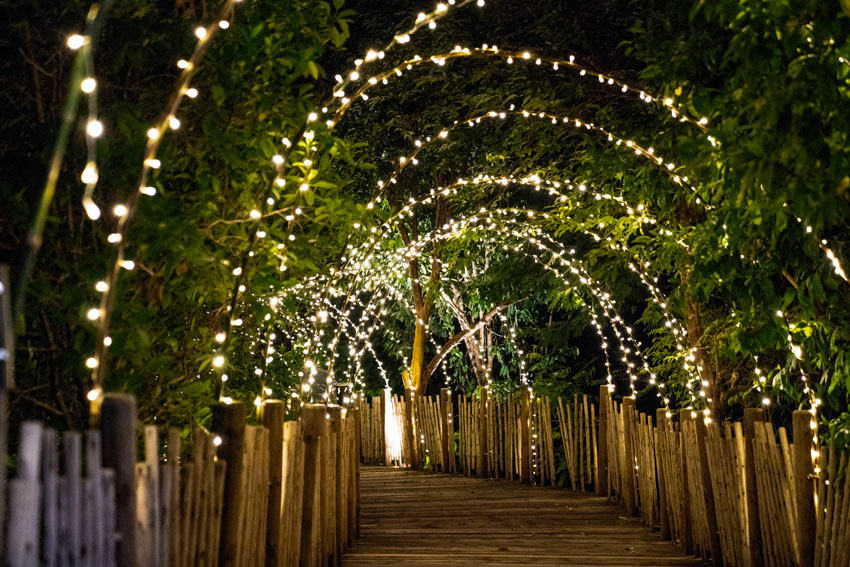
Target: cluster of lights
{"points": [[124, 212]]}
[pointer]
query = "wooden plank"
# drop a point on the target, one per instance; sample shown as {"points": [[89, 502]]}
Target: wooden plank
{"points": [[496, 522]]}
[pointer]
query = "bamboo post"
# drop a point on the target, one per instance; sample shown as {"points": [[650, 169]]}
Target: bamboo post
{"points": [[708, 492], [312, 427], [524, 438], [803, 474], [25, 496], [483, 469], [7, 373], [386, 403], [602, 458], [688, 535], [354, 495], [751, 416], [271, 416], [118, 452], [337, 542], [445, 431], [661, 428], [228, 423], [174, 451], [409, 432], [629, 472]]}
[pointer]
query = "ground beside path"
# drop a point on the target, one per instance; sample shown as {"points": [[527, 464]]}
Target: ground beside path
{"points": [[411, 518]]}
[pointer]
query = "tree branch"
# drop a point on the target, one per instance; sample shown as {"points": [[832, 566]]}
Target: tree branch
{"points": [[453, 342]]}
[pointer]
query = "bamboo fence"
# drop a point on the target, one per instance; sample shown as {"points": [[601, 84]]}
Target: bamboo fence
{"points": [[237, 496], [738, 494]]}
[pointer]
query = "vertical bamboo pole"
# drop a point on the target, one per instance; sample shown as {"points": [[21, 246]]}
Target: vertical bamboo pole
{"points": [[354, 514], [312, 426], [271, 415], [174, 449], [337, 541], [805, 498], [751, 416], [7, 373], [409, 429], [661, 428], [688, 531], [228, 422], [386, 403], [118, 445], [50, 500], [71, 444], [445, 432], [483, 470], [629, 469], [524, 438], [25, 494], [710, 505]]}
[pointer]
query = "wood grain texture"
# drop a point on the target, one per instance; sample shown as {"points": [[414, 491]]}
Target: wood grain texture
{"points": [[417, 519]]}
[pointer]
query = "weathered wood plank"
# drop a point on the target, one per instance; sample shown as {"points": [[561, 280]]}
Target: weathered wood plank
{"points": [[411, 518]]}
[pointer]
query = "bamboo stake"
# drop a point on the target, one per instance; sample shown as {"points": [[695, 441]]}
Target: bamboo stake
{"points": [[118, 443]]}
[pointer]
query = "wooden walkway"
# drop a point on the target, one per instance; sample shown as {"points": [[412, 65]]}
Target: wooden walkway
{"points": [[418, 519]]}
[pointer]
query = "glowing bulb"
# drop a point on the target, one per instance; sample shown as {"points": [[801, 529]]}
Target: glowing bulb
{"points": [[224, 24], [149, 191], [173, 122], [277, 159], [107, 341], [254, 214], [183, 64], [76, 41], [220, 337], [91, 362], [153, 133], [94, 128], [128, 264], [217, 441], [101, 286], [201, 33], [114, 238], [119, 210], [192, 92], [218, 361], [93, 394], [92, 210], [90, 176], [93, 314], [88, 85]]}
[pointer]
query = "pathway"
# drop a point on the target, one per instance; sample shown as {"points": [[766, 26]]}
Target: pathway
{"points": [[413, 518]]}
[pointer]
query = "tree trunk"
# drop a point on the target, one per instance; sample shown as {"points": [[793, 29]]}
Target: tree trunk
{"points": [[705, 372], [417, 358]]}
